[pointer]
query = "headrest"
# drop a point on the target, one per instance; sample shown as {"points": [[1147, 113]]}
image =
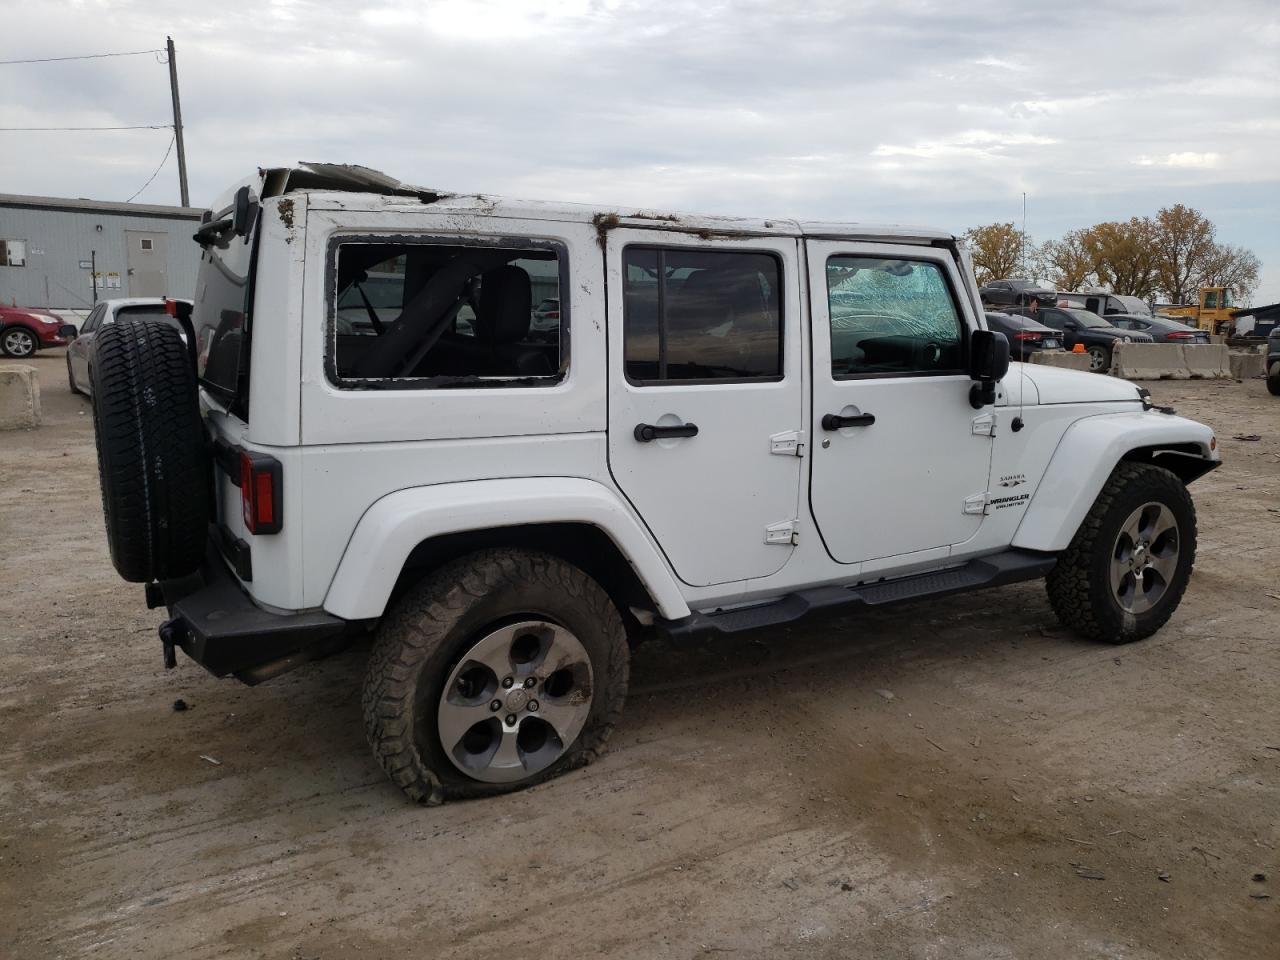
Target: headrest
{"points": [[506, 300]]}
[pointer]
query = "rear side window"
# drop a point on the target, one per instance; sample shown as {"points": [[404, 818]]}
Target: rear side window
{"points": [[891, 317], [700, 315], [432, 314]]}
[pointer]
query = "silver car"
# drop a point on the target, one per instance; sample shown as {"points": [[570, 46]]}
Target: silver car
{"points": [[80, 352]]}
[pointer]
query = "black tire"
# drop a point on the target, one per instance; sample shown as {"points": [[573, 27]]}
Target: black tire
{"points": [[1273, 383], [430, 629], [1099, 355], [152, 461], [18, 342], [71, 381], [1079, 586]]}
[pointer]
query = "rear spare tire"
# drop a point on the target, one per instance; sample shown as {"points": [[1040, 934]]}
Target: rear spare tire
{"points": [[152, 461]]}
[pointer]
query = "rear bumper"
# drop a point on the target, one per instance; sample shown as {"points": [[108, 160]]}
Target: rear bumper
{"points": [[219, 626]]}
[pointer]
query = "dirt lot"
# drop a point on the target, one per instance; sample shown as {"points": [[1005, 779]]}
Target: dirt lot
{"points": [[955, 779]]}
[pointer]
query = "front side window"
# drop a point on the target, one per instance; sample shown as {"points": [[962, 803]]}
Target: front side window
{"points": [[1211, 300], [891, 317], [434, 315], [701, 315]]}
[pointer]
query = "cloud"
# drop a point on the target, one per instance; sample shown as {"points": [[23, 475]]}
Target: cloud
{"points": [[838, 109]]}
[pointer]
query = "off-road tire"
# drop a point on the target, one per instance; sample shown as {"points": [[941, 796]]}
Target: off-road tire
{"points": [[152, 461], [1079, 585], [434, 624]]}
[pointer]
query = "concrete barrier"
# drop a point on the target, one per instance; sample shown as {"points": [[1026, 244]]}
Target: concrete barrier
{"points": [[19, 397], [1246, 366], [1061, 358], [1170, 361], [1149, 361], [1208, 361]]}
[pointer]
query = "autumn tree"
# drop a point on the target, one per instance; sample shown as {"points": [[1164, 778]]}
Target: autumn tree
{"points": [[996, 250], [1184, 243], [1068, 263], [1124, 254]]}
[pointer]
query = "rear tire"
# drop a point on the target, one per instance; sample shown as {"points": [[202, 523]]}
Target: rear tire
{"points": [[1094, 589], [419, 664], [152, 460], [1273, 383]]}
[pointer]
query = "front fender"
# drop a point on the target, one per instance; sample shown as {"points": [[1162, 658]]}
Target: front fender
{"points": [[398, 522], [1087, 453]]}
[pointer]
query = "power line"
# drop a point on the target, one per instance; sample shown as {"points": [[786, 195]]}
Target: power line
{"points": [[142, 126], [158, 169], [86, 56]]}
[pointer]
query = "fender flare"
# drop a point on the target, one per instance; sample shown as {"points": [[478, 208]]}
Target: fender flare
{"points": [[1085, 456], [399, 521]]}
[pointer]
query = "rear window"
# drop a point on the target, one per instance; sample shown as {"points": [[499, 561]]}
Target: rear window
{"points": [[220, 315], [143, 312], [437, 314]]}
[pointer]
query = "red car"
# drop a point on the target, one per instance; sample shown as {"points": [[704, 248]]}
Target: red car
{"points": [[24, 330]]}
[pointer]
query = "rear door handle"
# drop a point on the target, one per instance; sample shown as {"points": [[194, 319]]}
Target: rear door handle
{"points": [[833, 421], [645, 432]]}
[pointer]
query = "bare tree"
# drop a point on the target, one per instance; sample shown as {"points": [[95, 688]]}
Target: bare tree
{"points": [[996, 250], [1233, 267], [1184, 240]]}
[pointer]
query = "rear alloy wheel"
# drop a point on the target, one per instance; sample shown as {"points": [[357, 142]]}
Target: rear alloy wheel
{"points": [[503, 669], [1099, 359], [18, 342]]}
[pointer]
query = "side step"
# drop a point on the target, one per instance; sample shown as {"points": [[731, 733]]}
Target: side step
{"points": [[996, 570]]}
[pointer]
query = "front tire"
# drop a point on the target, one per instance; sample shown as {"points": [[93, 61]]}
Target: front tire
{"points": [[1099, 359], [503, 669], [19, 343], [1273, 383], [1128, 565]]}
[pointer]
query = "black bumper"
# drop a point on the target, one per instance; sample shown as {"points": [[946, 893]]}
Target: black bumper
{"points": [[219, 627]]}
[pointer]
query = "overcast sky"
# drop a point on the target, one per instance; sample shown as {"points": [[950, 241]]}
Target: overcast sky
{"points": [[906, 111]]}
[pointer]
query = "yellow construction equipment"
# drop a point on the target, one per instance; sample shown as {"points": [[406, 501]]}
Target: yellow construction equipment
{"points": [[1213, 311]]}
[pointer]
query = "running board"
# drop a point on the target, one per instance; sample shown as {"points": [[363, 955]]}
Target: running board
{"points": [[996, 570]]}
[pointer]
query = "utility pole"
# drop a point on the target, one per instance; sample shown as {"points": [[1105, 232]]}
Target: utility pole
{"points": [[93, 272], [177, 122]]}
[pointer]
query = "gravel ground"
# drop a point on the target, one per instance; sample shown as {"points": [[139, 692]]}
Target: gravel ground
{"points": [[953, 779]]}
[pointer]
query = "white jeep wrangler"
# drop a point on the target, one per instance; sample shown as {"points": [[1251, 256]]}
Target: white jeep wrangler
{"points": [[510, 438]]}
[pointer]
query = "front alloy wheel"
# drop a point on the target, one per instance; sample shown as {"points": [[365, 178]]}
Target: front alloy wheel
{"points": [[1099, 361], [18, 342], [1145, 559]]}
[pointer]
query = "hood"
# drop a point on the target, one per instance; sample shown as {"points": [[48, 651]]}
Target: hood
{"points": [[1058, 385]]}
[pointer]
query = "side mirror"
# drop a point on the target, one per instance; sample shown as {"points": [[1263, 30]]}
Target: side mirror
{"points": [[988, 363], [243, 213], [68, 331], [1070, 325]]}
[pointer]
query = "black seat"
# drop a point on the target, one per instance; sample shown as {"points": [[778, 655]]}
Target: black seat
{"points": [[502, 322]]}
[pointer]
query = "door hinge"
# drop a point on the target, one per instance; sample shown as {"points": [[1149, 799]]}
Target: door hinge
{"points": [[979, 503], [985, 425], [787, 444], [784, 532]]}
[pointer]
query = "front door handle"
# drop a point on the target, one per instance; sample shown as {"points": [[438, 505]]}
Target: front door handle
{"points": [[645, 432], [833, 421]]}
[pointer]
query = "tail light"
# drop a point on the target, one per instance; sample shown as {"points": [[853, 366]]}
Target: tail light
{"points": [[261, 493], [1182, 336], [1027, 335]]}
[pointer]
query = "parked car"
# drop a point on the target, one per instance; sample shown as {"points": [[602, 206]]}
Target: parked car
{"points": [[718, 450], [1089, 329], [1273, 362], [1104, 304], [1015, 293], [107, 312], [24, 330], [1025, 335], [1162, 329]]}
